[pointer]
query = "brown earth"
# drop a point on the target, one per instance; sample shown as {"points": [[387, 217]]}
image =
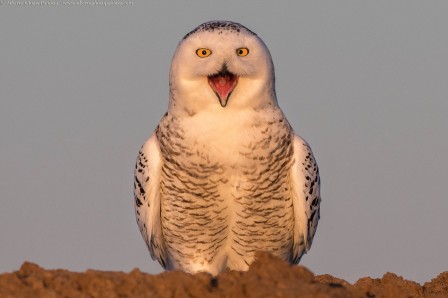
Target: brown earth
{"points": [[267, 277]]}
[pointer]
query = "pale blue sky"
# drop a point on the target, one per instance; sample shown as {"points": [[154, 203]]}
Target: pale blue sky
{"points": [[365, 82]]}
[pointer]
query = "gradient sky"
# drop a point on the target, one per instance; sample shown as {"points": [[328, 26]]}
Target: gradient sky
{"points": [[364, 82]]}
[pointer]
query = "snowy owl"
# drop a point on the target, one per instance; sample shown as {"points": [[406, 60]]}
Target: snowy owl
{"points": [[223, 175]]}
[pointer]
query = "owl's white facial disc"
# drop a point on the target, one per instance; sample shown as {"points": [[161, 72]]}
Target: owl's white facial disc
{"points": [[219, 65]]}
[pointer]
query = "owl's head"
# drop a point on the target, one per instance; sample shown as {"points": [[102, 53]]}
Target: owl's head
{"points": [[218, 65]]}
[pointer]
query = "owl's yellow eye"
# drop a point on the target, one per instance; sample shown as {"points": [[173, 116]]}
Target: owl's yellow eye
{"points": [[203, 52], [242, 52]]}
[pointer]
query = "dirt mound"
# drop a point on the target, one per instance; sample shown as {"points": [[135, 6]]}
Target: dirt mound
{"points": [[267, 277]]}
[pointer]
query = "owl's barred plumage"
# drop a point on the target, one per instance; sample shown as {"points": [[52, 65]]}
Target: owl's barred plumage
{"points": [[224, 175]]}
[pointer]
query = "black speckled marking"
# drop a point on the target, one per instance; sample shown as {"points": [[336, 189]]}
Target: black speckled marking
{"points": [[219, 25]]}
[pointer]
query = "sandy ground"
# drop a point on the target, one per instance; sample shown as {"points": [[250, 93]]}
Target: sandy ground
{"points": [[267, 277]]}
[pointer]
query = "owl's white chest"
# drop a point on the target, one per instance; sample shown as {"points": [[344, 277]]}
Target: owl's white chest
{"points": [[226, 170], [224, 136]]}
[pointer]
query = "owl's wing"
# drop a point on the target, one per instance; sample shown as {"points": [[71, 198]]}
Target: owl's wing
{"points": [[147, 177], [305, 184]]}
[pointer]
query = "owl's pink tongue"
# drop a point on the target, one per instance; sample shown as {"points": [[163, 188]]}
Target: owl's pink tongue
{"points": [[223, 85]]}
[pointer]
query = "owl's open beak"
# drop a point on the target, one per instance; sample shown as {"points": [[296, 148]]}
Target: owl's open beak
{"points": [[223, 84]]}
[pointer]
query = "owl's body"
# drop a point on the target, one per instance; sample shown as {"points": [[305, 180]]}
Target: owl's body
{"points": [[224, 175]]}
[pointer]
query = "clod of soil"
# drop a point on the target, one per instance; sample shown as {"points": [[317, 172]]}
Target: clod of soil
{"points": [[268, 277]]}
